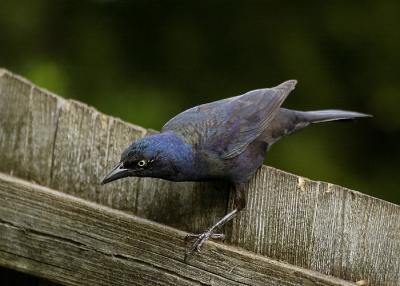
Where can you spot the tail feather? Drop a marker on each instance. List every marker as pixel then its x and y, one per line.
pixel 290 121
pixel 330 115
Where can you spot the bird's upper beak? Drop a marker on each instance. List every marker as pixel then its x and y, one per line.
pixel 117 172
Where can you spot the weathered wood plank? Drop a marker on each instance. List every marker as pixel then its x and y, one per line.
pixel 322 227
pixel 76 242
pixel 69 146
pixel 24 144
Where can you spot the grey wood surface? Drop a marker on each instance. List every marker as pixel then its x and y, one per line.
pixel 76 242
pixel 69 146
pixel 320 226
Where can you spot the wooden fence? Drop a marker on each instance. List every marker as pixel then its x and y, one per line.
pixel 57 222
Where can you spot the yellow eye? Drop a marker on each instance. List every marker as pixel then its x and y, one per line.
pixel 141 163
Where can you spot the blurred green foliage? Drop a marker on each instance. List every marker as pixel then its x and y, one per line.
pixel 145 61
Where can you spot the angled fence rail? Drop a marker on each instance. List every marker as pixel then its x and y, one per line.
pixel 76 242
pixel 87 234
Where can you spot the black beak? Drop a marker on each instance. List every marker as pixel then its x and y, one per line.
pixel 117 173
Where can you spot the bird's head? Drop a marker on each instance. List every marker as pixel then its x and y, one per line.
pixel 152 156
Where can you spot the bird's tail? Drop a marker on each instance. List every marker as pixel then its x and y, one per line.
pixel 329 115
pixel 290 121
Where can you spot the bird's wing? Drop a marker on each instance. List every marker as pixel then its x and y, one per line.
pixel 228 126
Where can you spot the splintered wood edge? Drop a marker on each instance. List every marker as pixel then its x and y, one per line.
pixel 76 242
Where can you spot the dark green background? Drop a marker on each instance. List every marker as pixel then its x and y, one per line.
pixel 145 61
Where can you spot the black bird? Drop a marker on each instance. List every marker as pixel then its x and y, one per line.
pixel 224 140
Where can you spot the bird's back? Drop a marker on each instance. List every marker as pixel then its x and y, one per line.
pixel 226 127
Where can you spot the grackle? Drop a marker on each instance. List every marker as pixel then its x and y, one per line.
pixel 224 140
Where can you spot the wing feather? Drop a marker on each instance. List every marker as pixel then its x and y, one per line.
pixel 228 126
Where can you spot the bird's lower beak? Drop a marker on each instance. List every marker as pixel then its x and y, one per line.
pixel 117 173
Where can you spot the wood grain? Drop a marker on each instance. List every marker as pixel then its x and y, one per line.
pixel 76 242
pixel 24 142
pixel 320 226
pixel 69 146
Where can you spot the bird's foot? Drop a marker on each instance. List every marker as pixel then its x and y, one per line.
pixel 200 239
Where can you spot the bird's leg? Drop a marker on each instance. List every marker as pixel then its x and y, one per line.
pixel 240 203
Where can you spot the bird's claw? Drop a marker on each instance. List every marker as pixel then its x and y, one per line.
pixel 212 235
pixel 199 241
